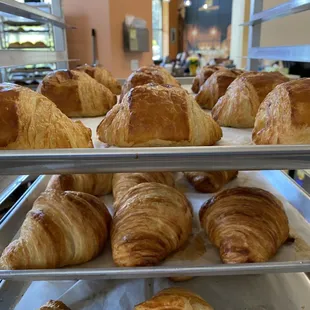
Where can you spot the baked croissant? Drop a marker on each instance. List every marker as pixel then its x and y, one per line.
pixel 102 76
pixel 122 182
pixel 247 224
pixel 28 120
pixel 203 75
pixel 239 106
pixel 215 87
pixel 54 305
pixel 146 75
pixel 94 184
pixel 76 94
pixel 210 181
pixel 175 299
pixel 284 116
pixel 154 115
pixel 62 229
pixel 151 221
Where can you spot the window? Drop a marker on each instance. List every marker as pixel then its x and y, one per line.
pixel 157 43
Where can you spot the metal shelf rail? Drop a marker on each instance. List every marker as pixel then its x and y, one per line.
pixel 257 17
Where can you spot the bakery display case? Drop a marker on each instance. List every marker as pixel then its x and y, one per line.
pixel 280 283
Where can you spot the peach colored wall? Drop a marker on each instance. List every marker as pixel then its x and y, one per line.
pixel 106 16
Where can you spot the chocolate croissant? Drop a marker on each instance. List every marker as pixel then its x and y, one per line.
pixel 215 87
pixel 210 181
pixel 94 184
pixel 102 76
pixel 247 224
pixel 154 115
pixel 29 120
pixel 239 106
pixel 151 221
pixel 54 305
pixel 76 94
pixel 284 116
pixel 175 298
pixel 62 229
pixel 122 182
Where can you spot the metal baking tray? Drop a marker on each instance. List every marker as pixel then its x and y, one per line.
pixel 287 259
pixel 8 184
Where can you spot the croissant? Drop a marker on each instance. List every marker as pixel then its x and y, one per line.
pixel 247 224
pixel 203 76
pixel 239 106
pixel 76 94
pixel 62 229
pixel 210 181
pixel 284 116
pixel 176 299
pixel 122 182
pixel 146 75
pixel 28 120
pixel 102 76
pixel 54 305
pixel 154 115
pixel 151 221
pixel 215 87
pixel 94 184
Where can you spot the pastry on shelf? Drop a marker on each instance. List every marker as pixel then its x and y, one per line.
pixel 27 44
pixel 102 76
pixel 210 181
pixel 76 94
pixel 151 221
pixel 155 115
pixel 94 184
pixel 54 305
pixel 29 120
pixel 15 45
pixel 146 75
pixel 246 224
pixel 215 87
pixel 122 182
pixel 284 115
pixel 203 75
pixel 239 106
pixel 175 298
pixel 40 44
pixel 61 229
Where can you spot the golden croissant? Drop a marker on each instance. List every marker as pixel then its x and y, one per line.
pixel 151 221
pixel 215 87
pixel 29 120
pixel 146 75
pixel 247 224
pixel 175 299
pixel 239 106
pixel 210 181
pixel 76 94
pixel 62 229
pixel 122 182
pixel 54 305
pixel 94 184
pixel 102 76
pixel 284 116
pixel 154 115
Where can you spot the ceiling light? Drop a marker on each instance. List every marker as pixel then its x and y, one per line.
pixel 187 2
pixel 205 6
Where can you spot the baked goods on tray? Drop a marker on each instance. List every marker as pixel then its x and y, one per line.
pixel 76 94
pixel 62 229
pixel 239 106
pixel 175 298
pixel 215 87
pixel 284 115
pixel 151 221
pixel 246 224
pixel 94 184
pixel 102 76
pixel 210 181
pixel 29 120
pixel 54 305
pixel 155 115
